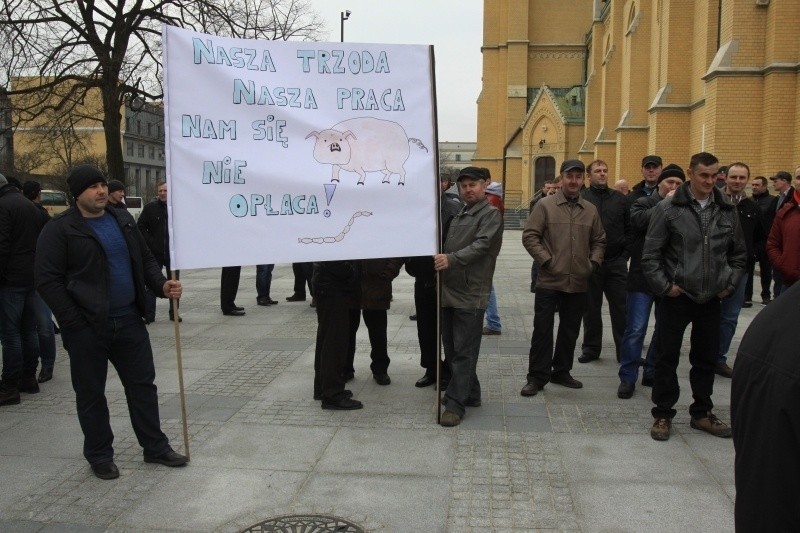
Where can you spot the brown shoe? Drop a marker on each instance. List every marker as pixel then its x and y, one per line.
pixel 295 298
pixel 722 369
pixel 529 390
pixel 487 331
pixel 450 419
pixel 661 428
pixel 711 424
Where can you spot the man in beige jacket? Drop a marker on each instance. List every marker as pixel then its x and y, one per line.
pixel 565 236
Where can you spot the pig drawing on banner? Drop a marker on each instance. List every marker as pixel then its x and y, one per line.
pixel 364 145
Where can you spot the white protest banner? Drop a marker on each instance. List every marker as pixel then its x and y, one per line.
pixel 297 151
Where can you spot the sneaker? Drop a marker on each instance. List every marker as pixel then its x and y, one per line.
pixel 712 424
pixel 722 369
pixel 450 419
pixel 661 428
pixel 625 390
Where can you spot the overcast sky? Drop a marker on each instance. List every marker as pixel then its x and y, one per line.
pixel 453 27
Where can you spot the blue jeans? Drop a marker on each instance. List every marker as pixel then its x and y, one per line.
pixel 729 309
pixel 263 280
pixel 46 332
pixel 492 316
pixel 638 306
pixel 18 332
pixel 461 341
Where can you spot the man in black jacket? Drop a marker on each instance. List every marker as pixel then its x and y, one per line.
pixel 754 237
pixel 610 278
pixel 20 224
pixel 763 199
pixel 694 255
pixel 765 393
pixel 81 256
pixel 651 170
pixel 153 225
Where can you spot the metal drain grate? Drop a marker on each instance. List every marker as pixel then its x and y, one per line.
pixel 305 523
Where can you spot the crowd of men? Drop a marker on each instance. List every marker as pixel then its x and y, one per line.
pixel 684 243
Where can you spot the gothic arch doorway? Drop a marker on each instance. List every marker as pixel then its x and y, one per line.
pixel 544 169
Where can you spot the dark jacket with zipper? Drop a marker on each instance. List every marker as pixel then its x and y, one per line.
pixel 20 224
pixel 641 210
pixel 677 250
pixel 71 269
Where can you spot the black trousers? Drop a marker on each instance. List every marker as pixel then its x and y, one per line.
pixel 125 343
pixel 608 280
pixel 674 315
pixel 333 345
pixel 376 322
pixel 228 287
pixel 302 276
pixel 543 361
pixel 425 304
pixel 765 267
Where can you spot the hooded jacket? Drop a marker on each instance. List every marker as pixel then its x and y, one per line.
pixel 676 250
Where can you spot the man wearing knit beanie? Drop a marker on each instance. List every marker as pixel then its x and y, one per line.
pixel 116 194
pixel 92 267
pixel 640 298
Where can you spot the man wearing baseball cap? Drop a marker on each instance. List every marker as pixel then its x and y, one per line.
pixel 565 237
pixel 781 182
pixel 651 170
pixel 466 265
pixel 80 255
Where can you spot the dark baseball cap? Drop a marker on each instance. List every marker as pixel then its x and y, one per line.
pixel 572 164
pixel 652 160
pixel 782 175
pixel 473 173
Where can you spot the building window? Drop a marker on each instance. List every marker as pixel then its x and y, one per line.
pixel 147 176
pixel 152 153
pixel 158 175
pixel 139 126
pixel 141 150
pixel 137 173
pixel 149 129
pixel 458 157
pixel 161 154
pixel 129 148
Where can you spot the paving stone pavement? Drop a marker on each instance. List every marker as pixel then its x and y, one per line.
pixel 261 447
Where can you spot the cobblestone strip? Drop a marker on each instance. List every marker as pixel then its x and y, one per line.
pixel 509 482
pixel 246 374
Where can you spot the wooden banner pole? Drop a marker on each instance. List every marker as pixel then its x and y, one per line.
pixel 177 323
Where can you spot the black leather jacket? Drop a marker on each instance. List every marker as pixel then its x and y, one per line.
pixel 677 251
pixel 71 269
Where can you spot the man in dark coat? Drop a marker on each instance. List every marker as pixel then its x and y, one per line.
pixel 20 224
pixel 765 393
pixel 92 266
pixel 763 199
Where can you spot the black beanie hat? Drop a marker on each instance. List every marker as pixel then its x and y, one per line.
pixel 671 171
pixel 115 185
pixel 82 177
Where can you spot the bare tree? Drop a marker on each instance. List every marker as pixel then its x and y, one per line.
pixel 74 47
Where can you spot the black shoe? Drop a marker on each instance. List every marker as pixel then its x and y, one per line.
pixel 9 395
pixel 168 458
pixel 45 375
pixel 106 470
pixel 265 300
pixel 313 302
pixel 234 312
pixel 412 317
pixel 566 380
pixel 588 358
pixel 625 390
pixel 149 320
pixel 28 384
pixel 237 308
pixel 344 404
pixel 747 304
pixel 172 318
pixel 382 379
pixel 296 298
pixel 347 376
pixel 647 382
pixel 425 381
pixel 529 389
pixel 347 394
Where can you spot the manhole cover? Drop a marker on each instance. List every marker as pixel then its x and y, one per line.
pixel 308 523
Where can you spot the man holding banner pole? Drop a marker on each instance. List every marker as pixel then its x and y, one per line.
pixel 80 256
pixel 467 266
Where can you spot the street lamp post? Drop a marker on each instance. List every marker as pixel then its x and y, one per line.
pixel 345 15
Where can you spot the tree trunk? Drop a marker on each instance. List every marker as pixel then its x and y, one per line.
pixel 113 131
